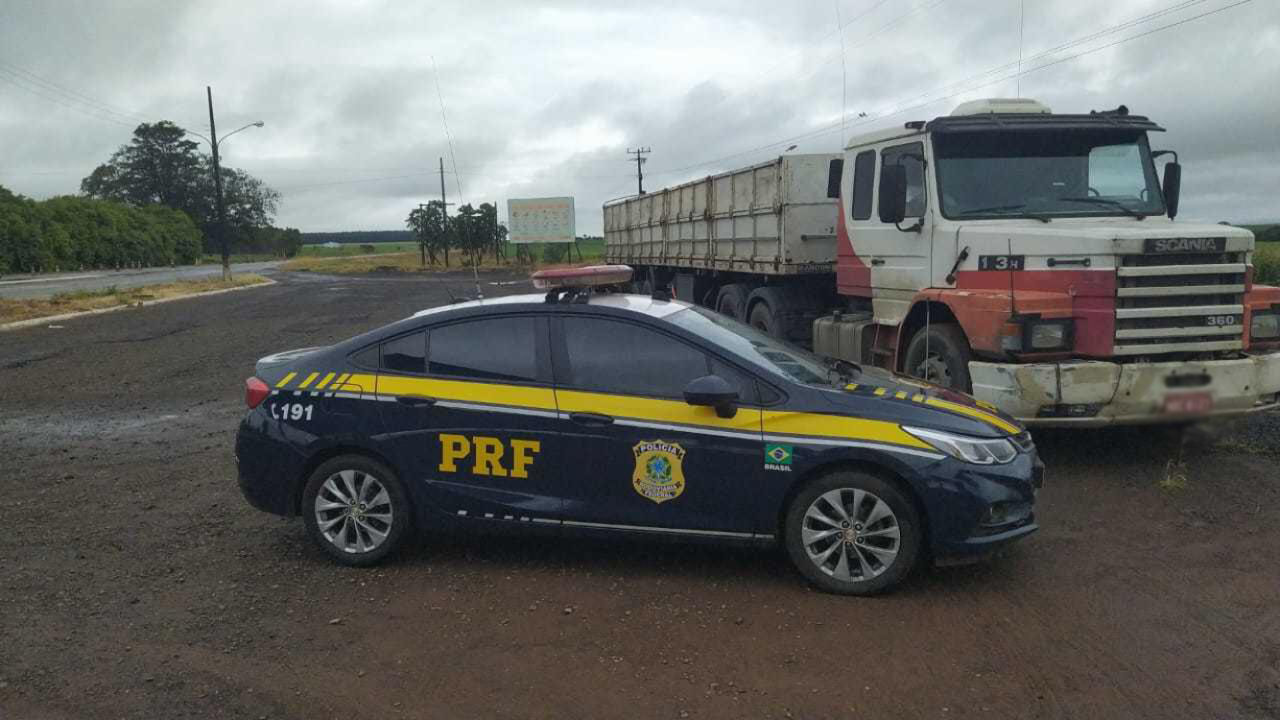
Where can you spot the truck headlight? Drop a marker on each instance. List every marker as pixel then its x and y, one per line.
pixel 1047 335
pixel 979 451
pixel 1036 335
pixel 1265 325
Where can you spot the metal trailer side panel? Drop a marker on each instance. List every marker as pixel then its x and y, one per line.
pixel 770 218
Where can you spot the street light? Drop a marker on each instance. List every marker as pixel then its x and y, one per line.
pixel 217 181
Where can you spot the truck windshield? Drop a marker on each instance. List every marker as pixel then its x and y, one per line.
pixel 754 346
pixel 1043 174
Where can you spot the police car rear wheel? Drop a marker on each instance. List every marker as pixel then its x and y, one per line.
pixel 852 533
pixel 355 510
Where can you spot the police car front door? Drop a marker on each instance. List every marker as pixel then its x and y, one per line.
pixel 476 428
pixel 636 455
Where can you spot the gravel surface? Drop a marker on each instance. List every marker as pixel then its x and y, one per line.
pixel 135 582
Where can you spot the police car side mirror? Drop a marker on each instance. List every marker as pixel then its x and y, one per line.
pixel 712 391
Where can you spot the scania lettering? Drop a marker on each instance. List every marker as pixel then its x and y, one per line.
pixel 1029 258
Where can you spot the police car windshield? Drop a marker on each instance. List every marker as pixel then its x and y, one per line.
pixel 754 346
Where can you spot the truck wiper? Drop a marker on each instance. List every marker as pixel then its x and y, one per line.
pixel 1006 208
pixel 1106 201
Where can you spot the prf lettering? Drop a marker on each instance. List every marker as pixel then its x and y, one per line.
pixel 486 455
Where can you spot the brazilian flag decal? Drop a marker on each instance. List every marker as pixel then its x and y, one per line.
pixel 777 457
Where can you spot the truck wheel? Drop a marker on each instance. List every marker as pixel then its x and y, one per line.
pixel 940 354
pixel 732 301
pixel 356 510
pixel 762 319
pixel 852 533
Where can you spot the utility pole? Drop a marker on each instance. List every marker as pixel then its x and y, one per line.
pixel 422 245
pixel 640 160
pixel 217 189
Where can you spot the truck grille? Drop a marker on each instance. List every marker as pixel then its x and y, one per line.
pixel 1179 303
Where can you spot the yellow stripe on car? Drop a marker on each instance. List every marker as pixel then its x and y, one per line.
pixel 835 426
pixel 285 380
pixel 324 381
pixel 974 413
pixel 487 393
pixel 310 379
pixel 656 410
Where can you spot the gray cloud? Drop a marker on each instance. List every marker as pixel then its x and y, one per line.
pixel 544 99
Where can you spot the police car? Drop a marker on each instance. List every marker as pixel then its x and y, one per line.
pixel 592 412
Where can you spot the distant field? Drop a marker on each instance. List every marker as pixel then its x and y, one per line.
pixel 348 249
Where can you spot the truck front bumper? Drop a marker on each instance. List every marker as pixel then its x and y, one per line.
pixel 1093 393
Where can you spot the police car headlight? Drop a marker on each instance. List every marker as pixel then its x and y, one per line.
pixel 1265 325
pixel 980 451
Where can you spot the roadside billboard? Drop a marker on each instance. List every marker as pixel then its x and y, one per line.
pixel 540 220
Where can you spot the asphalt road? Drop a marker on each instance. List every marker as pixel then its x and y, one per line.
pixel 135 582
pixel 28 287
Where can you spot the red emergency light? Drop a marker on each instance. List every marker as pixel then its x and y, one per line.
pixel 581 277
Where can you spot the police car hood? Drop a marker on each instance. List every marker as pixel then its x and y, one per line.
pixel 910 401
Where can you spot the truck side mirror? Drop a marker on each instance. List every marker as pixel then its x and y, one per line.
pixel 893 194
pixel 712 391
pixel 1172 187
pixel 834 171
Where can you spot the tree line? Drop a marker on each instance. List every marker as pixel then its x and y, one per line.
pixel 151 203
pixel 473 230
pixel 71 233
pixel 360 237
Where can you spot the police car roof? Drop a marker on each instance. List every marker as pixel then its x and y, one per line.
pixel 643 304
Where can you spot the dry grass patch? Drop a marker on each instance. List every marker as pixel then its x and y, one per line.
pixel 15 310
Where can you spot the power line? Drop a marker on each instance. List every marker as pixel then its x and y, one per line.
pixel 828 129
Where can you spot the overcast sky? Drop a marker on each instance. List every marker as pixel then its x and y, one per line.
pixel 545 98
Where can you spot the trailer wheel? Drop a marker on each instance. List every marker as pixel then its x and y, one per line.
pixel 732 301
pixel 939 354
pixel 763 319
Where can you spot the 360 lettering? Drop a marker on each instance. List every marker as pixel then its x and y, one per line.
pixel 486 455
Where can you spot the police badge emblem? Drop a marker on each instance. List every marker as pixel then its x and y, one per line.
pixel 659 475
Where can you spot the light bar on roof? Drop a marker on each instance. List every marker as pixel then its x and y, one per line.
pixel 580 277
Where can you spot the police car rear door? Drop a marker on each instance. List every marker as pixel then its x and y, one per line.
pixel 476 425
pixel 636 455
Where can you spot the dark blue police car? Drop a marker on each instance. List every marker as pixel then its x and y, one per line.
pixel 618 414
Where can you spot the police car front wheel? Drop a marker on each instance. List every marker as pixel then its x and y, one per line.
pixel 852 533
pixel 355 510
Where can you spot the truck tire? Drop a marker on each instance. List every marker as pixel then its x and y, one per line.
pixel 732 301
pixel 783 312
pixel 946 362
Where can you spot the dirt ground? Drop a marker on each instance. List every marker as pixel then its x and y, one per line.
pixel 135 582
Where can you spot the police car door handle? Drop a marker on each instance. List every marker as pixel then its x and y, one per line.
pixel 877 261
pixel 418 402
pixel 589 418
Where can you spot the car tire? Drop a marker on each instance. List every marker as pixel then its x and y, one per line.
pixel 852 533
pixel 356 510
pixel 732 301
pixel 948 355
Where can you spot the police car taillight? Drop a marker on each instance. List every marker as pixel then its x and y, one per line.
pixel 582 277
pixel 255 391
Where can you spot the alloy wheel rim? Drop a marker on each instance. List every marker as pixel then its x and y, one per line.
pixel 851 534
pixel 353 511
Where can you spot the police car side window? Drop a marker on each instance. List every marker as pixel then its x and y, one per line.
pixel 503 348
pixel 407 353
pixel 624 358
